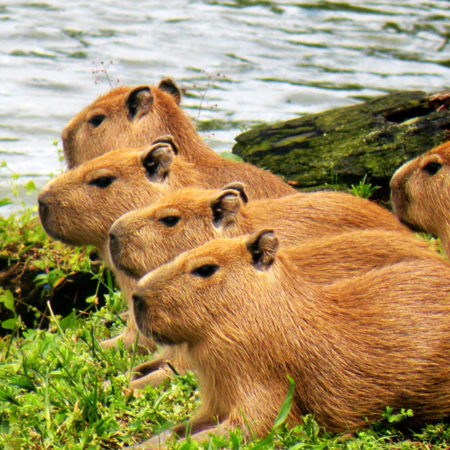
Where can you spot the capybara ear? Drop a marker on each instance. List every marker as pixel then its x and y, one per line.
pixel 139 102
pixel 169 86
pixel 225 206
pixel 169 140
pixel 263 246
pixel 237 186
pixel 157 160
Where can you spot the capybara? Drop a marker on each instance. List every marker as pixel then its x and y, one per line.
pixel 136 116
pixel 79 206
pixel 191 216
pixel 148 237
pixel 421 194
pixel 250 320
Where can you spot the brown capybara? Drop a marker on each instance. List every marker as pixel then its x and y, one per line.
pixel 371 249
pixel 421 194
pixel 133 117
pixel 250 320
pixel 146 238
pixel 191 216
pixel 79 206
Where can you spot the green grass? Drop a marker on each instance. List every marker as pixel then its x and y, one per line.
pixel 59 389
pixel 34 268
pixel 363 189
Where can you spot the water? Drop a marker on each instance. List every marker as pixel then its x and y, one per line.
pixel 250 61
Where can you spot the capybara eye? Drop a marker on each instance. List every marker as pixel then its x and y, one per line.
pixel 96 121
pixel 170 221
pixel 102 182
pixel 205 271
pixel 432 168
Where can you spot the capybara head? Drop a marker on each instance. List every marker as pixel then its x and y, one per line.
pixel 79 206
pixel 222 266
pixel 421 192
pixel 148 237
pixel 122 118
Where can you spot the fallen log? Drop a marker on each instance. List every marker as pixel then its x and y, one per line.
pixel 340 146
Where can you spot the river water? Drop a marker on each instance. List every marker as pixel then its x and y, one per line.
pixel 241 62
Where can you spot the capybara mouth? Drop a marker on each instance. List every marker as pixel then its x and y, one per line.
pixel 54 234
pixel 399 200
pixel 141 314
pixel 129 271
pixel 115 250
pixel 162 339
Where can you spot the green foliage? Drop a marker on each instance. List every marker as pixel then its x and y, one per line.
pixel 29 187
pixel 393 418
pixel 22 240
pixel 8 302
pixel 363 189
pixel 59 151
pixel 60 389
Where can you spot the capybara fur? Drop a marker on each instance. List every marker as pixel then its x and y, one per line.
pixel 250 320
pixel 136 116
pixel 421 194
pixel 79 206
pixel 148 237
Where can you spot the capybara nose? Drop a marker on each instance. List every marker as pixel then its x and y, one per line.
pixel 114 246
pixel 43 210
pixel 394 184
pixel 138 303
pixel 112 238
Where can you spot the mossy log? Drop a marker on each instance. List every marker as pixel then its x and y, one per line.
pixel 340 146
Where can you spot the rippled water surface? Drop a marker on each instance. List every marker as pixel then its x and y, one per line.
pixel 241 62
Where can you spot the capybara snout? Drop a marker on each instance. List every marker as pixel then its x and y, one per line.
pixel 43 211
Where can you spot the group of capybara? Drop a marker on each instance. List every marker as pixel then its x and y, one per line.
pixel 246 282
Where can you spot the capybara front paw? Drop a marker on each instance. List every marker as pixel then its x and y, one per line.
pixel 149 374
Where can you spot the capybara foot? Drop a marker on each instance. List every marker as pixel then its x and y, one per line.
pixel 150 374
pixel 153 379
pixel 204 433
